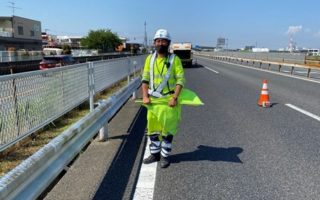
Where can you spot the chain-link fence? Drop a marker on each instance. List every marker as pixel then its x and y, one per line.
pixel 29 101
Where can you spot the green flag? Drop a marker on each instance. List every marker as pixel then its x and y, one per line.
pixel 168 117
pixel 186 97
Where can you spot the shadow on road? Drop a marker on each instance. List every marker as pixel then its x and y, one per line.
pixel 209 153
pixel 196 65
pixel 114 183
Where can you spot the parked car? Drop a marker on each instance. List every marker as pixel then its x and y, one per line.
pixel 56 61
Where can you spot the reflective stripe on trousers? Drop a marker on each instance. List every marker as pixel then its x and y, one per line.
pixel 156 146
pixel 155 143
pixel 166 145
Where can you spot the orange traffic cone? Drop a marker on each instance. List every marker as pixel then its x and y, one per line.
pixel 264 100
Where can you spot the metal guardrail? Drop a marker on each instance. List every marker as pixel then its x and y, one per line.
pixel 29 179
pixel 295 58
pixel 280 65
pixel 29 101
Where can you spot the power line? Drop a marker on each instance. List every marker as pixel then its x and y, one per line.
pixel 13 7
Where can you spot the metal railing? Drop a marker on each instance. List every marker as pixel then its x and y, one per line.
pixel 30 178
pixel 294 58
pixel 15 56
pixel 280 66
pixel 29 101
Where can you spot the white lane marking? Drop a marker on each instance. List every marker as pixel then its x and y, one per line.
pixel 303 111
pixel 211 70
pixel 147 178
pixel 264 70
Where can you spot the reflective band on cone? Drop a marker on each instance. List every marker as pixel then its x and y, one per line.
pixel 264 99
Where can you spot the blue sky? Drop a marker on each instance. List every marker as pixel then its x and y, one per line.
pixel 243 22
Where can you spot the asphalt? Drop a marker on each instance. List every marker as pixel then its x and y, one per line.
pixel 230 148
pixel 107 170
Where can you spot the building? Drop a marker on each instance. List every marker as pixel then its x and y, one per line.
pixel 48 40
pixel 260 50
pixel 313 52
pixel 20 33
pixel 123 45
pixel 73 41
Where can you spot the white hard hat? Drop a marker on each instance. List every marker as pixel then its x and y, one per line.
pixel 162 34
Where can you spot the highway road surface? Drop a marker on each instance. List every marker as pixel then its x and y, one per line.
pixel 230 148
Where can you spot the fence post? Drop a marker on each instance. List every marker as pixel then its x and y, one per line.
pixel 128 76
pixel 134 68
pixel 91 85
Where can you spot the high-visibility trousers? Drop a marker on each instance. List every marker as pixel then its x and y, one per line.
pixel 163 119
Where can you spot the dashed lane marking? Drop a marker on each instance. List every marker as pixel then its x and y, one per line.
pixel 211 70
pixel 303 111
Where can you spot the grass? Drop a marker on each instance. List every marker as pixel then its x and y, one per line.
pixel 14 155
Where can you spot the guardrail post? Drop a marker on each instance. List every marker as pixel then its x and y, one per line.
pixel 279 68
pixel 103 133
pixel 309 72
pixel 269 66
pixel 292 69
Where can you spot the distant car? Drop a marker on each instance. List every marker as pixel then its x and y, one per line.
pixel 56 61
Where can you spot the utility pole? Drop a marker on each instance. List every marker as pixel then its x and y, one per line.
pixel 13 7
pixel 145 35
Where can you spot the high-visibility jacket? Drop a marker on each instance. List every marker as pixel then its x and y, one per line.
pixel 160 68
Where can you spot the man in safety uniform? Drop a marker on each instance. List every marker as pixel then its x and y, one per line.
pixel 163 75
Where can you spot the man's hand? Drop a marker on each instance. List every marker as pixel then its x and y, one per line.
pixel 172 102
pixel 146 100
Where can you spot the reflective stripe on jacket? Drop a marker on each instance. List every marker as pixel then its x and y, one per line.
pixel 160 69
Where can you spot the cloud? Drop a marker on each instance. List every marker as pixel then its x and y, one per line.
pixel 307 30
pixel 293 30
pixel 317 34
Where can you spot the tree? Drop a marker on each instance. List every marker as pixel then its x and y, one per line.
pixel 102 39
pixel 66 49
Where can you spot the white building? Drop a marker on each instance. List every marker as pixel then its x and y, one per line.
pixel 72 41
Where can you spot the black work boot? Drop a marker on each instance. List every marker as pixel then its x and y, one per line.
pixel 164 162
pixel 152 158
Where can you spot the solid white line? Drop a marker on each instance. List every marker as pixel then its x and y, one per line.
pixel 303 111
pixel 264 70
pixel 147 178
pixel 211 70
